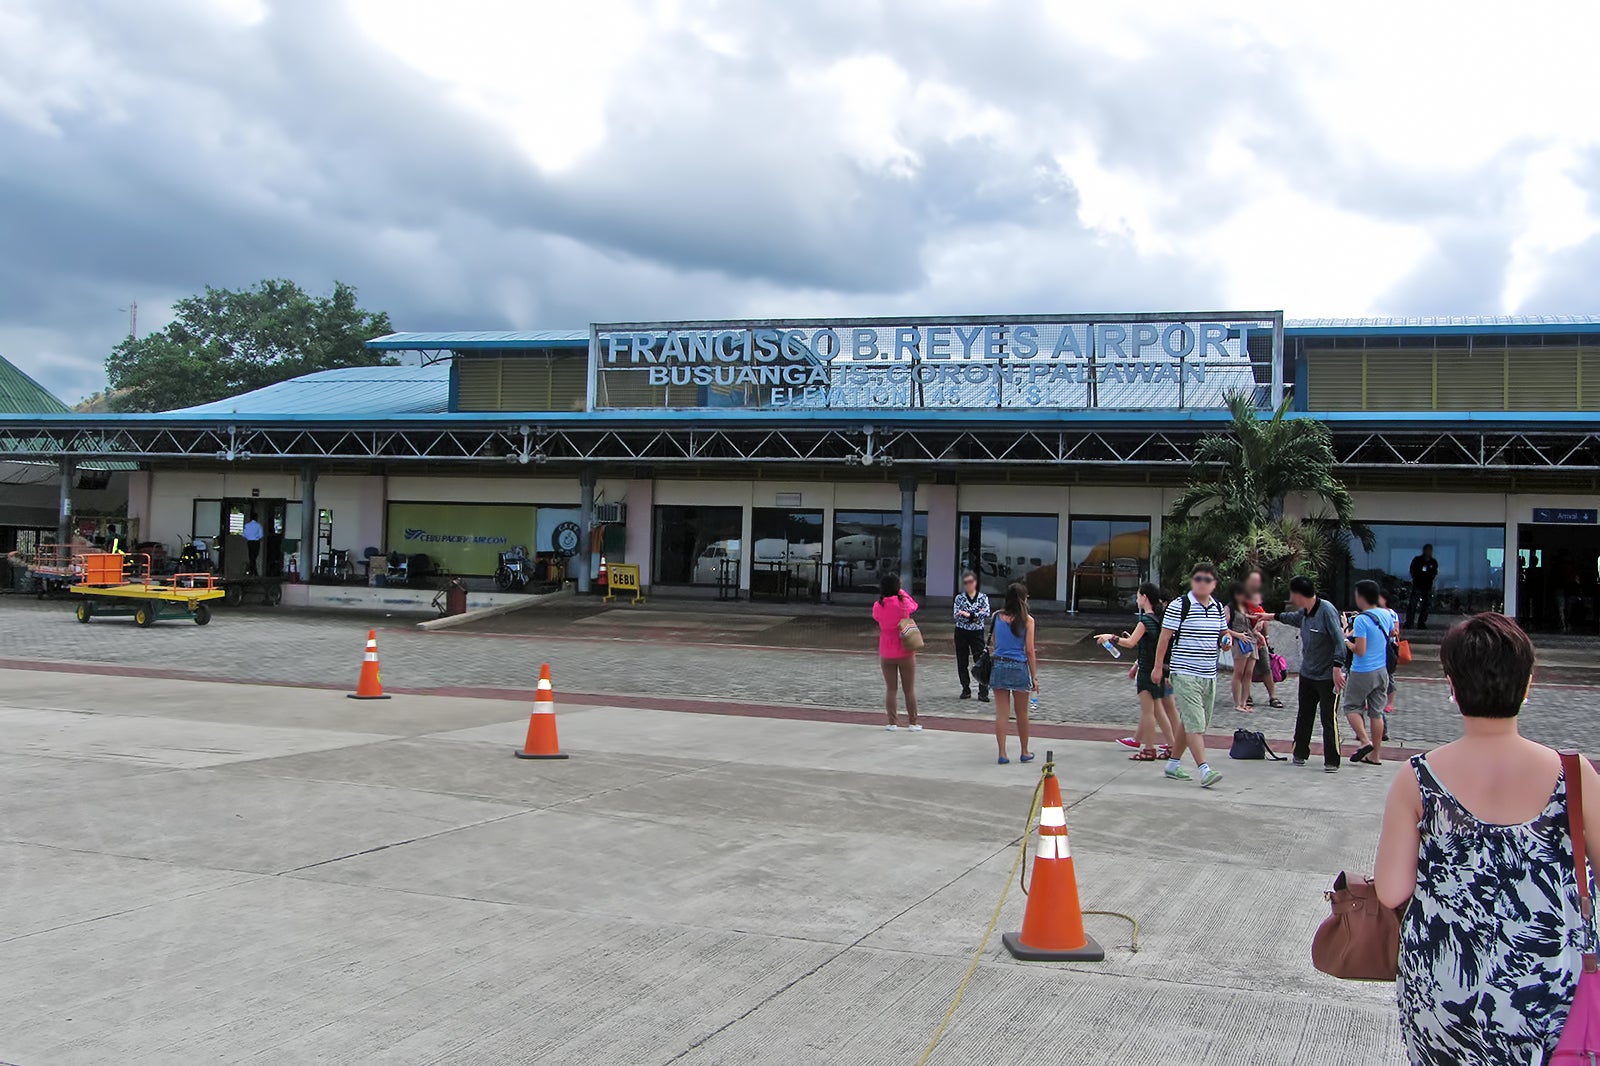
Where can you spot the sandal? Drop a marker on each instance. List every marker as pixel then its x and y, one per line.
pixel 1276 703
pixel 1147 755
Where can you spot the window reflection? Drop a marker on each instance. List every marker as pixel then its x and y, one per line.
pixel 698 545
pixel 1001 549
pixel 787 552
pixel 1110 557
pixel 866 545
pixel 1471 566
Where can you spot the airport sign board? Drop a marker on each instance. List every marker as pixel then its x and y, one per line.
pixel 1109 362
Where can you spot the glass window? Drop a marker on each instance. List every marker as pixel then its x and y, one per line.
pixel 787 547
pixel 698 545
pixel 1558 584
pixel 866 545
pixel 1471 566
pixel 1110 557
pixel 1006 548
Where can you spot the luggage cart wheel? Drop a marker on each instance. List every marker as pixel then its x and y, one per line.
pixel 85 611
pixel 144 615
pixel 202 614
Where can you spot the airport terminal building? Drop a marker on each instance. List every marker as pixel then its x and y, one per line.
pixel 804 459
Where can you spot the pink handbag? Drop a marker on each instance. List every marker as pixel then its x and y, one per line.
pixel 1278 664
pixel 1580 1037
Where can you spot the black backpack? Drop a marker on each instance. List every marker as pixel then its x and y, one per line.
pixel 1177 634
pixel 1391 654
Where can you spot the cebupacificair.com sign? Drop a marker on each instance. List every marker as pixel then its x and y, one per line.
pixel 1110 362
pixel 462 538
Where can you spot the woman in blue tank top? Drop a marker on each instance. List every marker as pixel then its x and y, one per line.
pixel 1015 669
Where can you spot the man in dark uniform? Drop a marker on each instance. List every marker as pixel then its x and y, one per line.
pixel 1424 568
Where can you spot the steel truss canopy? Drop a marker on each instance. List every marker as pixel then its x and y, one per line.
pixel 1394 443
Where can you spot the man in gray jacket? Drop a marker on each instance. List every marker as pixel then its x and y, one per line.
pixel 1322 657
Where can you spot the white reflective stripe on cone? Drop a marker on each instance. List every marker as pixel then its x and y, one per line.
pixel 544 686
pixel 1053 847
pixel 1053 816
pixel 543 710
pixel 370 657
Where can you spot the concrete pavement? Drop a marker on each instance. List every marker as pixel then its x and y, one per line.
pixel 205 872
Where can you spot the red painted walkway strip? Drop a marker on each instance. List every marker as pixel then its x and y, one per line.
pixel 782 712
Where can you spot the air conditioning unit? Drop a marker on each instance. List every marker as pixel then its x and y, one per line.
pixel 610 513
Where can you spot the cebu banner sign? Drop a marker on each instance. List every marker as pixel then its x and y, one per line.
pixel 1119 362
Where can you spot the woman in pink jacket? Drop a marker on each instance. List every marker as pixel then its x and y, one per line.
pixel 899 663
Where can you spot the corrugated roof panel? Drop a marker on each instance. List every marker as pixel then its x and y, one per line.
pixel 21 395
pixel 1456 323
pixel 360 391
pixel 475 339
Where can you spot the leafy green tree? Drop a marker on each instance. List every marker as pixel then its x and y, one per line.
pixel 1231 513
pixel 224 342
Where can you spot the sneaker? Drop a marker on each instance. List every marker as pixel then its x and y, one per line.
pixel 891 727
pixel 966 693
pixel 1211 777
pixel 983 697
pixel 1129 742
pixel 1297 762
pixel 1330 768
pixel 914 728
pixel 1180 774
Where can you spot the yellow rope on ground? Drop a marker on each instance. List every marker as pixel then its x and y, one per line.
pixel 994 919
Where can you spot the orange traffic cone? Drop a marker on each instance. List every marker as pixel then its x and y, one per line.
pixel 370 685
pixel 1052 926
pixel 541 742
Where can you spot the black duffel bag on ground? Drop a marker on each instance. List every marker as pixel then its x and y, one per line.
pixel 1251 745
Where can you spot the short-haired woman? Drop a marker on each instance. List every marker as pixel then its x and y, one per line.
pixel 1476 839
pixel 899 663
pixel 1016 668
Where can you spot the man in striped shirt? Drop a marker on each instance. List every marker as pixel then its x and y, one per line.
pixel 1194 630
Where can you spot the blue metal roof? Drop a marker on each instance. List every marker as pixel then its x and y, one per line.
pixel 1425 325
pixel 479 340
pixel 360 391
pixel 1577 421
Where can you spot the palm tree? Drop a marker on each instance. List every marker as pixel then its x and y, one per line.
pixel 1232 511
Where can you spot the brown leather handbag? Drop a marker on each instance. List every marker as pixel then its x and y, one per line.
pixel 1360 940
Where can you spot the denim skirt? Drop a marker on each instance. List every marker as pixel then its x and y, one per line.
pixel 1010 675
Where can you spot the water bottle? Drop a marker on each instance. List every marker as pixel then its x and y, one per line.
pixel 1033 702
pixel 1111 646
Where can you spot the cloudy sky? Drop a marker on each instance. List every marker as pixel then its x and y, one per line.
pixel 502 164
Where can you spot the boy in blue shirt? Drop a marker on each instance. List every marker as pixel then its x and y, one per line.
pixel 1366 691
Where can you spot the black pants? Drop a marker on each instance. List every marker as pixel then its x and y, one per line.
pixel 253 549
pixel 1417 608
pixel 969 643
pixel 1316 696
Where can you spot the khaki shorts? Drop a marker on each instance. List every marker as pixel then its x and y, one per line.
pixel 1197 701
pixel 1366 693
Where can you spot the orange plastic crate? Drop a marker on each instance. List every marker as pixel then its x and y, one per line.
pixel 102 568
